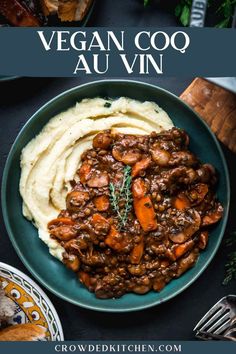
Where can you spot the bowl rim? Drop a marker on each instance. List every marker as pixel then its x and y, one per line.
pixel 7 78
pixel 11 234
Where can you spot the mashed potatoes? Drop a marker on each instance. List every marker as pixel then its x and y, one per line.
pixel 50 161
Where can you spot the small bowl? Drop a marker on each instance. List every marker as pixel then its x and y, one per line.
pixel 34 253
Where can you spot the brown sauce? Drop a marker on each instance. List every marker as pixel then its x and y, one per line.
pixel 139 215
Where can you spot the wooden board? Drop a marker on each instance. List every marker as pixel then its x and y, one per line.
pixel 217 106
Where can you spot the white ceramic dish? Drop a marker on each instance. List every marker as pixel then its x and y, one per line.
pixel 33 305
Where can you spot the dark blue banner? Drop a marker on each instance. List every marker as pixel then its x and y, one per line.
pixel 129 52
pixel 194 347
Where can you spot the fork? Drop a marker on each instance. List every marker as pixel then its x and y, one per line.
pixel 221 318
pixel 211 336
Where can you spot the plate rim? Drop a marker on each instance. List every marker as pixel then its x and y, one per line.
pixel 19 252
pixel 39 289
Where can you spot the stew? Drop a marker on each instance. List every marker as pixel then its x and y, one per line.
pixel 138 214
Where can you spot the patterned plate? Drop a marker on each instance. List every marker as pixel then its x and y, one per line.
pixel 32 303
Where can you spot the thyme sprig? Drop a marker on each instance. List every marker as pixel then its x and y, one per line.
pixel 127 195
pixel 124 194
pixel 115 199
pixel 126 183
pixel 230 266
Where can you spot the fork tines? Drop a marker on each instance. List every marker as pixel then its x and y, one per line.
pixel 217 319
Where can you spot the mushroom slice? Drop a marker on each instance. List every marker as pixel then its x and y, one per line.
pixel 160 157
pixel 129 156
pixel 76 199
pixel 187 262
pixel 98 179
pixel 213 215
pixel 102 140
pixel 193 225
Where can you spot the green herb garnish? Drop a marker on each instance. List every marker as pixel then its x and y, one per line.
pixel 225 11
pixel 123 194
pixel 230 266
pixel 115 199
pixel 183 11
pixel 107 105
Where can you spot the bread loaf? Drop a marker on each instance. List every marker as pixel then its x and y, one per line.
pixel 217 106
pixel 23 332
pixel 7 308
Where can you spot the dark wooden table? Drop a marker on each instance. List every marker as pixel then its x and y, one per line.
pixel 175 319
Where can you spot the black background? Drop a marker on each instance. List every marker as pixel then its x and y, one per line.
pixel 173 320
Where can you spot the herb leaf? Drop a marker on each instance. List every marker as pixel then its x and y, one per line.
pixel 107 104
pixel 178 10
pixel 114 198
pixel 125 194
pixel 145 2
pixel 185 15
pixel 225 11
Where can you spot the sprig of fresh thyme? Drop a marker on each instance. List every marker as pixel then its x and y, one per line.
pixel 115 199
pixel 230 266
pixel 126 180
pixel 125 194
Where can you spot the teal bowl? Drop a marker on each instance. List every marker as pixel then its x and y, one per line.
pixel 34 253
pixel 8 78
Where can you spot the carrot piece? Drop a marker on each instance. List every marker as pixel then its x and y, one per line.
pixel 98 218
pixel 114 240
pixel 180 250
pixel 84 172
pixel 181 202
pixel 100 223
pixel 101 203
pixel 85 279
pixel 137 253
pixel 143 207
pixel 140 166
pixel 145 213
pixel 72 263
pixel 65 221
